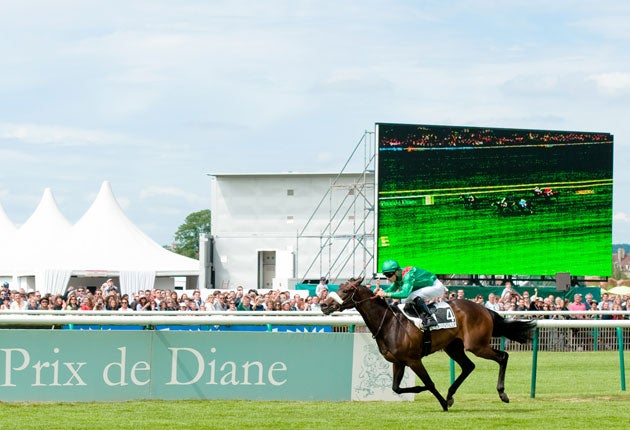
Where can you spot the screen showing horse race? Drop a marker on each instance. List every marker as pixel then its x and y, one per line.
pixel 494 201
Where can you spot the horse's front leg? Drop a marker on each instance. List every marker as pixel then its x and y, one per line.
pixel 422 373
pixel 398 373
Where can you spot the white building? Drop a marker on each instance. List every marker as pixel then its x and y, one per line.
pixel 275 230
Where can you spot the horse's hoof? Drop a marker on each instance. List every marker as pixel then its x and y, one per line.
pixel 450 402
pixel 504 397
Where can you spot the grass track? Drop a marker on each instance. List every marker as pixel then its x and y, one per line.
pixel 576 390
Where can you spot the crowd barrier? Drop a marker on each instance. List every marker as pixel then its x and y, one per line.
pixel 95 365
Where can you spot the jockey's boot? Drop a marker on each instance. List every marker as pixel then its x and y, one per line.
pixel 423 310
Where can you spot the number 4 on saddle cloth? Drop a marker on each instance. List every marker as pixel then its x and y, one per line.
pixel 441 311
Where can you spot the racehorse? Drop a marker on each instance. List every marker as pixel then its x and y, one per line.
pixel 510 206
pixel 470 201
pixel 401 342
pixel 545 193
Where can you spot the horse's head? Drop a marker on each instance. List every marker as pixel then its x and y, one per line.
pixel 342 299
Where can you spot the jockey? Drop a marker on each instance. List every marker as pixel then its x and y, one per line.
pixel 413 284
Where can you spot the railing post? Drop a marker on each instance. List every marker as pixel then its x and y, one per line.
pixel 622 366
pixel 532 392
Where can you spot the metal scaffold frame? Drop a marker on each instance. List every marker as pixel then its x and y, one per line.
pixel 358 204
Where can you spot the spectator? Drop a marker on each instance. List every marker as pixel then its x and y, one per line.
pixel 231 305
pixel 19 301
pixel 245 304
pixel 526 299
pixel 31 304
pixel 111 287
pixel 191 305
pixel 99 304
pixel 87 304
pixel 605 307
pixel 169 304
pixel 143 304
pixel 259 304
pixel 492 302
pixel 588 301
pixel 219 302
pixel 523 304
pixel 112 303
pixel 238 295
pixel 508 292
pixel 197 299
pixel 174 297
pixel 58 304
pixel 209 303
pixel 124 304
pixel 617 308
pixel 605 298
pixel 323 285
pixel 314 306
pixel 577 305
pixel 73 303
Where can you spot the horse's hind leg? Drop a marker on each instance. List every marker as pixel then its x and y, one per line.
pixel 503 360
pixel 501 357
pixel 456 351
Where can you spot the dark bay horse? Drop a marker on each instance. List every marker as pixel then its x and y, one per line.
pixel 401 342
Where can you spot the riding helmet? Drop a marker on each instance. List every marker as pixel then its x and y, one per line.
pixel 390 266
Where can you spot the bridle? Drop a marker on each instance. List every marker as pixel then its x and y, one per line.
pixel 373 297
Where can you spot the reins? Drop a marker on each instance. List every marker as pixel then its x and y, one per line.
pixel 389 308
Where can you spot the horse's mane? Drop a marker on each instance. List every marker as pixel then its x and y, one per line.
pixel 394 308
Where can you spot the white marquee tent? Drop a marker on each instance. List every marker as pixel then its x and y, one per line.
pixel 7 228
pixel 46 251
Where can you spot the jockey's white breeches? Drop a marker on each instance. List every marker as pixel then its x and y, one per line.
pixel 431 292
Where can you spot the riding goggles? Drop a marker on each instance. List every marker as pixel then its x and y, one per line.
pixel 389 274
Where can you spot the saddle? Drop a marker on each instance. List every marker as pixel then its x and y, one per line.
pixel 441 311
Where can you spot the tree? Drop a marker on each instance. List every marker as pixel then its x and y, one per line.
pixel 187 235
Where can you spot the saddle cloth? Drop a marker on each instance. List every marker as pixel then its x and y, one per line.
pixel 440 311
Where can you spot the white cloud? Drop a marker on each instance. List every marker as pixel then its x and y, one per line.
pixel 622 217
pixel 171 192
pixel 37 134
pixel 614 83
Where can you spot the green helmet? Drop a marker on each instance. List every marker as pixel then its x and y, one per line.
pixel 390 266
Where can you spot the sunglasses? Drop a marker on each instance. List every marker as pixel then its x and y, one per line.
pixel 389 274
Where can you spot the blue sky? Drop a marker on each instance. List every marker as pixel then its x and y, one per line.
pixel 153 95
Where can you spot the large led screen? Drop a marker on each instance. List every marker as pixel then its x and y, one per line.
pixel 494 201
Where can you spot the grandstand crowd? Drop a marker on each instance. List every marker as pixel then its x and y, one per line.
pixel 108 297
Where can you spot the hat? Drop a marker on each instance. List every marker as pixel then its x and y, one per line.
pixel 5 284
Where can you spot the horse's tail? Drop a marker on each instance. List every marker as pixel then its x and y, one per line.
pixel 521 331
